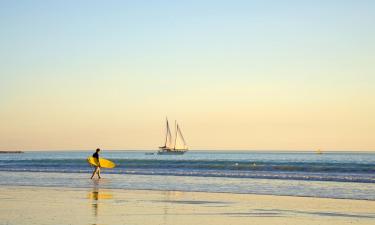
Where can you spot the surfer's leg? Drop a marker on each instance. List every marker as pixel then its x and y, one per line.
pixel 95 171
pixel 99 172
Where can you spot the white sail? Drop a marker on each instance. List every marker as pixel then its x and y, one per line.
pixel 182 136
pixel 168 136
pixel 168 142
pixel 180 143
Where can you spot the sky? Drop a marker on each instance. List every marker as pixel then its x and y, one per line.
pixel 236 75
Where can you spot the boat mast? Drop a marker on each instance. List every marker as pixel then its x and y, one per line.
pixel 169 137
pixel 166 135
pixel 175 137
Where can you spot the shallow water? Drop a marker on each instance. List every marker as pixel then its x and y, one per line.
pixel 332 175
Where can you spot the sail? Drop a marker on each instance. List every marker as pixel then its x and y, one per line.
pixel 180 143
pixel 168 142
pixel 168 136
pixel 182 136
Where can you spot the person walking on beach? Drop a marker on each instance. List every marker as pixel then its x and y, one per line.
pixel 97 168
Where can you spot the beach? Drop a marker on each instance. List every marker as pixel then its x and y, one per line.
pixel 210 188
pixel 58 205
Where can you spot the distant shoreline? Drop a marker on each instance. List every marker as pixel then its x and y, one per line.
pixel 13 152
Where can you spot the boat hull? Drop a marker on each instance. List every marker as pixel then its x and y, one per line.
pixel 170 152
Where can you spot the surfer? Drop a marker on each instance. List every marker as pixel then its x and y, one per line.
pixel 97 168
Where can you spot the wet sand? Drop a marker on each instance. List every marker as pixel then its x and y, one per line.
pixel 41 205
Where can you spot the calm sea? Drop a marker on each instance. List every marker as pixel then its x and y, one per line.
pixel 332 174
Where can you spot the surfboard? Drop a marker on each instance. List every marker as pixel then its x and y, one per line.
pixel 104 163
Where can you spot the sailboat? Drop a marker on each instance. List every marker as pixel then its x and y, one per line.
pixel 173 147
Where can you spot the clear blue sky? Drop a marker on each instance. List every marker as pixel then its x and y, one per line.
pixel 237 74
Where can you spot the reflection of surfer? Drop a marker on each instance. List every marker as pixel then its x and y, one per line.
pixel 97 168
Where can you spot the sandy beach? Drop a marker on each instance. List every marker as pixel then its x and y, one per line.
pixel 49 205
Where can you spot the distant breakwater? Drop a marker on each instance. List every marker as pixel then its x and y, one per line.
pixel 11 152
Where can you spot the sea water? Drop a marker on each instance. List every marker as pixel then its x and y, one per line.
pixel 332 174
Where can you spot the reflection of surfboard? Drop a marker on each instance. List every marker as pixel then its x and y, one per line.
pixel 104 163
pixel 96 195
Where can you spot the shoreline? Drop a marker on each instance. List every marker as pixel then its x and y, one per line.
pixel 317 189
pixel 187 191
pixel 60 205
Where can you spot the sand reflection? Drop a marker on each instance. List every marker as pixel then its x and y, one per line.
pixel 97 196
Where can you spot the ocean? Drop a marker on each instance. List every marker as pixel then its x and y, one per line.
pixel 349 175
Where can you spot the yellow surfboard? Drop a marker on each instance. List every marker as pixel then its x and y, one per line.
pixel 104 163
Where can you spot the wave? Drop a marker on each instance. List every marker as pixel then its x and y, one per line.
pixel 318 171
pixel 73 164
